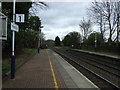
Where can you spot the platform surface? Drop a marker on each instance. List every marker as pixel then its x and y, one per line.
pixel 98 53
pixel 48 70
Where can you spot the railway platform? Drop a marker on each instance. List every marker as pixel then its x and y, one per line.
pixel 98 53
pixel 48 70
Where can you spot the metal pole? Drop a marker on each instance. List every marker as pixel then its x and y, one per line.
pixel 95 41
pixel 0 48
pixel 39 40
pixel 13 42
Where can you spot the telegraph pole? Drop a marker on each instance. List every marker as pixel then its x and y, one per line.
pixel 13 42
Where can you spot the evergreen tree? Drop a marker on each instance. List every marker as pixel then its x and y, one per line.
pixel 57 41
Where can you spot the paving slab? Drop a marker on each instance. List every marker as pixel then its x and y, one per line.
pixel 72 77
pixel 48 70
pixel 36 73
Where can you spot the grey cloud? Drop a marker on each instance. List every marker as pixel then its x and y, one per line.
pixel 63 15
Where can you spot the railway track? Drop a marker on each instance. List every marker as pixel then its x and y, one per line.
pixel 103 71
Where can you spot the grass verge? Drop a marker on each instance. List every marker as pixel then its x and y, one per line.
pixel 20 60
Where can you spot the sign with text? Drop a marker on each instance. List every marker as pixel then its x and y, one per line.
pixel 14 27
pixel 20 18
pixel 3 27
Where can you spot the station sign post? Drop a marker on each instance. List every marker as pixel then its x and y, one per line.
pixel 14 28
pixel 20 18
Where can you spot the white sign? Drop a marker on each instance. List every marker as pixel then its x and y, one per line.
pixel 14 27
pixel 20 18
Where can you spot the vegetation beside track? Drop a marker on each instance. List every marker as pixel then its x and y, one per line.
pixel 114 54
pixel 21 58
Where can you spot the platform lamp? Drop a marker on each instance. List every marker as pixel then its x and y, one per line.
pixel 40 38
pixel 95 40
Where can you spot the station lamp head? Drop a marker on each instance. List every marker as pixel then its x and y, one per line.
pixel 41 26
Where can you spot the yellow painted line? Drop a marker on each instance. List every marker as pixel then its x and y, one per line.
pixel 53 74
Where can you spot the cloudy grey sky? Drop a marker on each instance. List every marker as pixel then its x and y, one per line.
pixel 62 17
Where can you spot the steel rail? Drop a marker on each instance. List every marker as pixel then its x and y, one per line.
pixel 114 85
pixel 85 60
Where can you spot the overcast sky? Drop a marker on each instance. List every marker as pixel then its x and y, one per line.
pixel 62 17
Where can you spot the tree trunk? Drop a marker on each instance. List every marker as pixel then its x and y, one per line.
pixel 118 29
pixel 110 36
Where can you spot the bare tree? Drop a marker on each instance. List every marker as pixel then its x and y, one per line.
pixel 107 14
pixel 117 14
pixel 85 27
pixel 36 6
pixel 95 12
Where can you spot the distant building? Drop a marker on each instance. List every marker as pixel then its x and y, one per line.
pixel 50 43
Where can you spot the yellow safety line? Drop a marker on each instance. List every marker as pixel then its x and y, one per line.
pixel 53 74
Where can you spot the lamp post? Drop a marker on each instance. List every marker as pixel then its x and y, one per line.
pixel 40 39
pixel 82 38
pixel 13 42
pixel 95 40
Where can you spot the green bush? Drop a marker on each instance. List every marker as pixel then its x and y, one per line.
pixel 23 39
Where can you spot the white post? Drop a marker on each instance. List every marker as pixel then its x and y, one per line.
pixel 0 49
pixel 95 41
pixel 13 42
pixel 13 35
